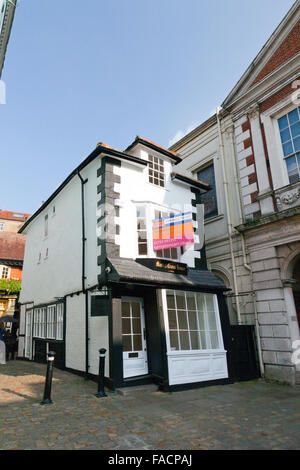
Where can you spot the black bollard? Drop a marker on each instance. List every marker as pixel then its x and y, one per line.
pixel 101 393
pixel 48 384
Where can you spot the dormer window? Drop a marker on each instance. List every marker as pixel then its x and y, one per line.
pixel 156 171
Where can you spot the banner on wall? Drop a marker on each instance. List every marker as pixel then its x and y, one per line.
pixel 173 231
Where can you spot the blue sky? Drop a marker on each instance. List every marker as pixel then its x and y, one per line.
pixel 79 72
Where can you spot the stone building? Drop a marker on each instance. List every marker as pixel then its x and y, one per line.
pixel 250 152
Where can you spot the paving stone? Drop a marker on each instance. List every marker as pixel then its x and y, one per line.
pixel 246 415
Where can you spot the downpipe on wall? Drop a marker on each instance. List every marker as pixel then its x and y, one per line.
pixel 245 263
pixel 228 216
pixel 83 277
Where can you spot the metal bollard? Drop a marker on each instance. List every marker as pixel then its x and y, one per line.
pixel 101 393
pixel 48 384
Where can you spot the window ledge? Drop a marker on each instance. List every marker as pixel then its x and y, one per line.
pixel 214 219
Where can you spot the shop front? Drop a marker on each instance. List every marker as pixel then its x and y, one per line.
pixel 166 328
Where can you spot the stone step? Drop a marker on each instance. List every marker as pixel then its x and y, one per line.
pixel 138 389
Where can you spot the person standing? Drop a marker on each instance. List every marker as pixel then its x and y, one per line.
pixel 2 344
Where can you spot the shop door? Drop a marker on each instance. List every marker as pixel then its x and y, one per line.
pixel 135 361
pixel 245 362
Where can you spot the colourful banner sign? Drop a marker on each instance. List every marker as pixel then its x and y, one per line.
pixel 173 231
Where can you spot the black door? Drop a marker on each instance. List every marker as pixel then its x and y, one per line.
pixel 40 348
pixel 244 353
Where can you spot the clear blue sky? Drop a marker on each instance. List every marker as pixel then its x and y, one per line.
pixel 82 71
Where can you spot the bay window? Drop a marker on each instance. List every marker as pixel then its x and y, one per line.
pixel 193 321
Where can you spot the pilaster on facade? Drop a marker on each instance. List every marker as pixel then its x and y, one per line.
pixel 264 195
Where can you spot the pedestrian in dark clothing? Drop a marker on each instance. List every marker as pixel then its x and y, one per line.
pixel 11 341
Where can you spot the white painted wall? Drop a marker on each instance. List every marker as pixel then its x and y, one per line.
pixel 75 332
pixel 99 338
pixel 60 273
pixel 135 189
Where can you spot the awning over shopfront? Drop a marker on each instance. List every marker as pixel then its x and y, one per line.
pixel 135 271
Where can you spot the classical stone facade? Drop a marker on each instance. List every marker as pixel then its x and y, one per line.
pixel 254 241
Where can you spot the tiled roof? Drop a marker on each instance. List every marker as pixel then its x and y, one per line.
pixel 12 246
pixel 17 216
pixel 159 146
pixel 149 143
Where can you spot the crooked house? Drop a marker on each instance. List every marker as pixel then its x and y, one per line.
pixel 115 259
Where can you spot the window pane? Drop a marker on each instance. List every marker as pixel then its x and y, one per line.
pixel 142 249
pixel 193 320
pixel 136 309
pixel 126 326
pixel 174 340
pixel 170 300
pixel 209 199
pixel 210 302
pixel 141 211
pixel 283 122
pixel 137 343
pixel 136 325
pixel 200 302
pixel 180 300
pixel 285 135
pixel 125 309
pixel 195 344
pixel 293 116
pixel 201 320
pixel 127 343
pixel 287 148
pixel 295 129
pixel 191 304
pixel 214 340
pixel 184 341
pixel 182 320
pixel 212 325
pixel 203 340
pixel 297 144
pixel 172 319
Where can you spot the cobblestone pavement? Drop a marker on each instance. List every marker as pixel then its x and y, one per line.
pixel 248 415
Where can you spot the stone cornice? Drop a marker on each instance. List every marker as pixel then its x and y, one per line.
pixel 273 218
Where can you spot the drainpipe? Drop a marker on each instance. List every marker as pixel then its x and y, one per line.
pixel 83 276
pixel 246 265
pixel 228 215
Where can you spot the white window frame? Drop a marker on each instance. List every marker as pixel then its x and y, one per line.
pixel 51 322
pixel 161 163
pixel 192 351
pixel 4 268
pixel 60 322
pixel 150 216
pixel 269 119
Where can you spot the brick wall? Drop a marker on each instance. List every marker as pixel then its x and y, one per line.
pixel 247 169
pixel 277 97
pixel 289 48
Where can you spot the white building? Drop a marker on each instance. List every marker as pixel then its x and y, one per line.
pixel 250 153
pixel 91 278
